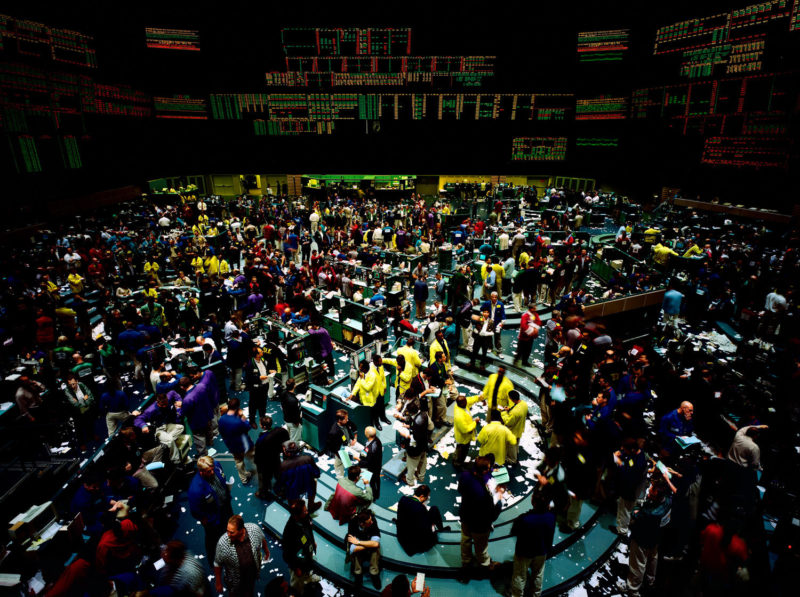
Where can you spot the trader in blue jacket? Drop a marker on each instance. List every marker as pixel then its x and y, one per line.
pixel 675 424
pixel 210 501
pixel 497 311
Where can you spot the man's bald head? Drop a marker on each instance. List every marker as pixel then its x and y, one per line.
pixel 686 409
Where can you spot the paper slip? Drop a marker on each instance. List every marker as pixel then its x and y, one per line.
pixel 453 486
pixel 511 500
pixel 36 584
pixel 393 507
pixel 9 580
pixel 449 516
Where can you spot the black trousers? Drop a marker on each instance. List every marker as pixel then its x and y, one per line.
pixel 482 344
pixel 462 450
pixel 257 403
pixel 375 484
pixel 497 343
pixel 378 411
pixel 436 517
pixel 524 350
pixel 214 531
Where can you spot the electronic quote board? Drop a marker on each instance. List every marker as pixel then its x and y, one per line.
pixel 31 39
pixel 158 38
pixel 609 45
pixel 539 149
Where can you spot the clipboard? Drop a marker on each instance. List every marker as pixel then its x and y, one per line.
pixel 345 458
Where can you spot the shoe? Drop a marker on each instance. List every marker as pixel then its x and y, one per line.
pixel 247 480
pixel 463 575
pixel 376 581
pixel 253 426
pixel 385 420
pixel 402 478
pixel 378 426
pixel 493 566
pixel 314 507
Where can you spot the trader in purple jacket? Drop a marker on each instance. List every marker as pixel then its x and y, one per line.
pixel 200 400
pixel 325 345
pixel 162 420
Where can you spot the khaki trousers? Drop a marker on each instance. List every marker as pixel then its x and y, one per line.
pixel 519 576
pixel 480 543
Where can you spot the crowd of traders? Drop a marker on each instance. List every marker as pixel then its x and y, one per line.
pixel 615 427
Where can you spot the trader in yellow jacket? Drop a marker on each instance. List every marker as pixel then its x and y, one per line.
pixel 494 438
pixel 464 427
pixel 381 397
pixel 514 418
pixel 496 390
pixel 197 264
pixel 211 265
pixel 440 345
pixel 411 356
pixel 151 268
pixel 366 389
pixel 402 379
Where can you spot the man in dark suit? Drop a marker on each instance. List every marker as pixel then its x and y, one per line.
pixel 421 296
pixel 269 447
pixel 426 382
pixel 192 315
pixel 497 311
pixel 417 526
pixel 478 512
pixel 482 333
pixel 343 433
pixel 417 450
pixel 583 265
pixel 257 379
pixel 292 414
pixel 373 460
